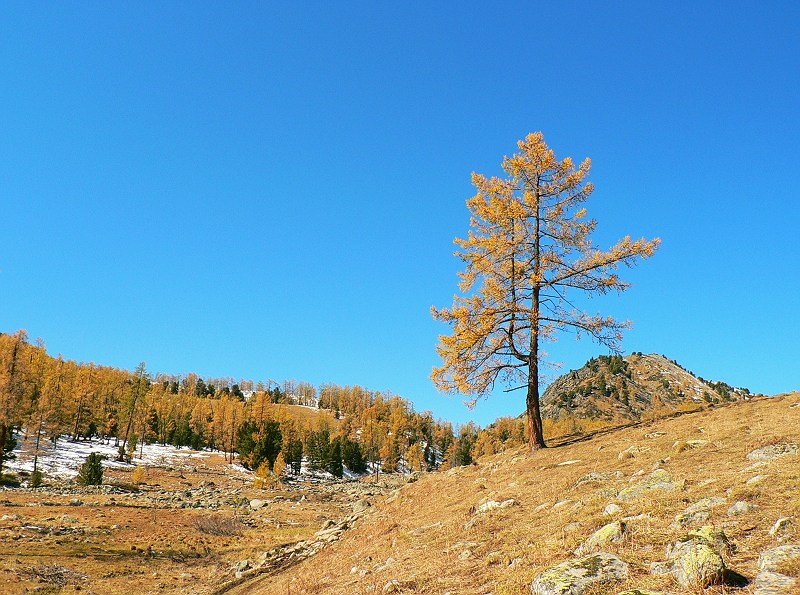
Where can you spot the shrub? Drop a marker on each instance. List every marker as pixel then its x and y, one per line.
pixel 138 475
pixel 10 481
pixel 91 472
pixel 219 525
pixel 263 477
pixel 36 479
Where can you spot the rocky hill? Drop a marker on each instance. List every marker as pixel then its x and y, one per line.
pixel 617 387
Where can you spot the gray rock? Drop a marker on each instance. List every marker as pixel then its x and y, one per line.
pixel 573 577
pixel 257 504
pixel 773 583
pixel 612 509
pixel 612 532
pixel 492 504
pixel 697 513
pixel 780 526
pixel 361 506
pixel 590 477
pixel 632 451
pixel 740 507
pixel 771 560
pixel 660 479
pixel 766 453
pixel 695 560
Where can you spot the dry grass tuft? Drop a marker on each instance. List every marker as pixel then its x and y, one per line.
pixel 52 574
pixel 220 525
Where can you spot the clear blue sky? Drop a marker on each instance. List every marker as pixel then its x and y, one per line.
pixel 270 190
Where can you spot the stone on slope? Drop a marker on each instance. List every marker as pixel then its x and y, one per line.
pixel 740 507
pixel 660 479
pixel 771 451
pixel 774 583
pixel 781 526
pixel 772 560
pixel 695 560
pixel 257 504
pixel 612 532
pixel 698 512
pixel 573 577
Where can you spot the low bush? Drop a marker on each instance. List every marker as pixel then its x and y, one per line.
pixel 8 480
pixel 219 525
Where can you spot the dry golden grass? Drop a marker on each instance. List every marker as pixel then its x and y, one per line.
pixel 427 538
pixel 121 544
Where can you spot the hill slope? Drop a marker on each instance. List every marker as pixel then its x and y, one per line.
pixel 614 387
pixel 492 527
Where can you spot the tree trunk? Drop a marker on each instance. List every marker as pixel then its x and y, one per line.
pixel 77 419
pixel 3 432
pixel 535 433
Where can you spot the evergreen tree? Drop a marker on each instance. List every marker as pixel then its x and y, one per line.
pixel 333 463
pixel 353 457
pixel 91 471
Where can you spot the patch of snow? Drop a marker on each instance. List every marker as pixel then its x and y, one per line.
pixel 65 457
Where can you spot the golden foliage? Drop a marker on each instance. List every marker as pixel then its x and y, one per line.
pixel 137 477
pixel 528 246
pixel 279 466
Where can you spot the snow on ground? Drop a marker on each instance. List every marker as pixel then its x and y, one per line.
pixel 65 458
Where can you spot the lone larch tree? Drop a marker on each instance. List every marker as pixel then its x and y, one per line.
pixel 527 251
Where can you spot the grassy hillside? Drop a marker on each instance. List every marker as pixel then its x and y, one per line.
pixel 431 536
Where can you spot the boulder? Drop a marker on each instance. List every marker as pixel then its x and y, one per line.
pixel 774 583
pixel 766 453
pixel 492 504
pixel 573 577
pixel 257 504
pixel 695 560
pixel 773 560
pixel 660 479
pixel 698 512
pixel 780 527
pixel 740 507
pixel 612 532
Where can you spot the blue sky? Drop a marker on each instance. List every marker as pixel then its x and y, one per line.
pixel 265 190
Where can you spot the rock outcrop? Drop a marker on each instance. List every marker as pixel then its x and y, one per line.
pixel 696 559
pixel 573 577
pixel 615 387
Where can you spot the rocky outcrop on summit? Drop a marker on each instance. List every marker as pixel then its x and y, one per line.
pixel 614 387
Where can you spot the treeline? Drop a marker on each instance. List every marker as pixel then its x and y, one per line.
pixel 50 397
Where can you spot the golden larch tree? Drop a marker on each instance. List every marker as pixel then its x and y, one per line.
pixel 528 249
